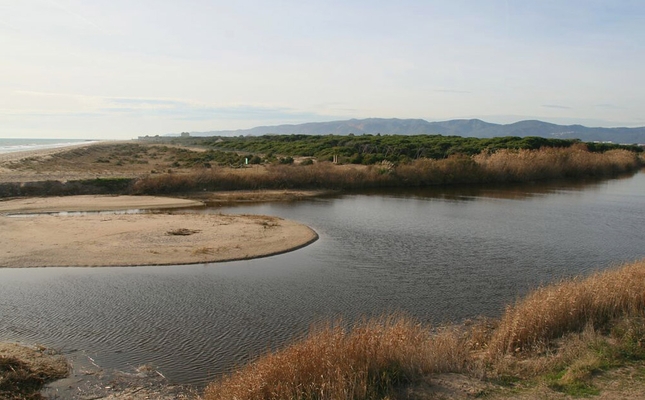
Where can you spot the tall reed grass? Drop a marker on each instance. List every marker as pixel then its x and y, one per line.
pixel 554 163
pixel 501 166
pixel 319 175
pixel 335 363
pixel 569 306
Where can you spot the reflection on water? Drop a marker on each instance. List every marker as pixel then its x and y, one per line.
pixel 441 255
pixel 496 191
pixel 77 213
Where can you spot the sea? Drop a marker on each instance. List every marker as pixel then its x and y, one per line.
pixel 13 145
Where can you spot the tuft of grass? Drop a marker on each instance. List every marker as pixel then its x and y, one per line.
pixel 182 232
pixel 203 251
pixel 575 379
pixel 24 371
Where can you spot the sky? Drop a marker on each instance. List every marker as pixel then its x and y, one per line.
pixel 116 69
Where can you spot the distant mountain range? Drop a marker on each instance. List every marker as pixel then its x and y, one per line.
pixel 456 127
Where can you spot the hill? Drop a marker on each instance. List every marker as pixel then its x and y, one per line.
pixel 458 127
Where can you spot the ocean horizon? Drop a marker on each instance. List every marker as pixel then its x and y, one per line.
pixel 12 145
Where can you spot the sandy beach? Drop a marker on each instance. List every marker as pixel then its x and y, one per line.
pixel 136 239
pixel 46 164
pixel 19 155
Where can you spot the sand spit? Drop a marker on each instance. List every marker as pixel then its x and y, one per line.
pixel 136 239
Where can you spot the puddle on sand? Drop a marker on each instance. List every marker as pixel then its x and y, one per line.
pixel 77 213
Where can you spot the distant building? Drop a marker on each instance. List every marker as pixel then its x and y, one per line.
pixel 155 137
pixel 185 134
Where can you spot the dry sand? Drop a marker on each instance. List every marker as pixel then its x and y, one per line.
pixel 137 239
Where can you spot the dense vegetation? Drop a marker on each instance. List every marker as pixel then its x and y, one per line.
pixel 559 336
pixel 372 149
pixel 499 167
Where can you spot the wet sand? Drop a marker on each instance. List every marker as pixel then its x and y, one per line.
pixel 91 203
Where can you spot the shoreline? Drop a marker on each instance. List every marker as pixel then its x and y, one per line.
pixel 13 156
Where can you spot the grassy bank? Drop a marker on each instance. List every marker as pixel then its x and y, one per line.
pixel 498 167
pixel 364 362
pixel 558 337
pixel 127 168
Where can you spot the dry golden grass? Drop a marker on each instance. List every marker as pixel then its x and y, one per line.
pixel 24 371
pixel 550 163
pixel 552 311
pixel 364 362
pixel 319 175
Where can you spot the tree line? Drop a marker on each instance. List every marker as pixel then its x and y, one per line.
pixel 371 149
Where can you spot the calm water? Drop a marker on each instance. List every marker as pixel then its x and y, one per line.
pixel 440 255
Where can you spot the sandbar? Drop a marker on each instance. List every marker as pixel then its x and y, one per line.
pixel 94 239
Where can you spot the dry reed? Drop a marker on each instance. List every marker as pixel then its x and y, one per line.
pixel 552 311
pixel 24 371
pixel 554 163
pixel 364 362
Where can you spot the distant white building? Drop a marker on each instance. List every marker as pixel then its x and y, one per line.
pixel 155 137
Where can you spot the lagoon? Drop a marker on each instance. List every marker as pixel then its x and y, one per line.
pixel 441 255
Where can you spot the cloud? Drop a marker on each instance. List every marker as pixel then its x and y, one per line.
pixel 76 15
pixel 193 111
pixel 556 106
pixel 452 91
pixel 140 101
pixel 609 106
pixel 78 105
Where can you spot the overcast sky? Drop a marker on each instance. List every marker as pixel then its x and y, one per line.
pixel 118 69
